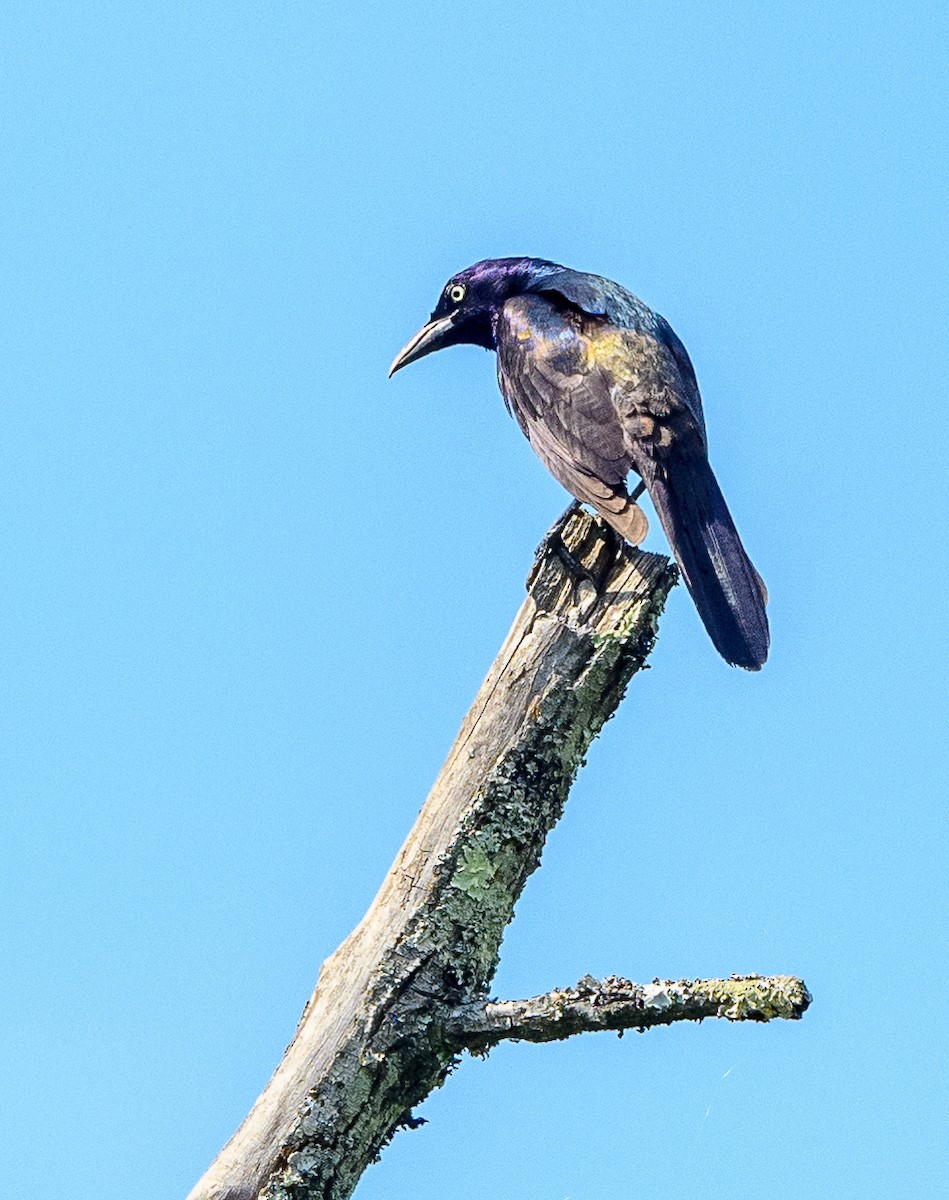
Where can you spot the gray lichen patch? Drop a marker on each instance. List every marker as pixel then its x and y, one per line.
pixel 754 998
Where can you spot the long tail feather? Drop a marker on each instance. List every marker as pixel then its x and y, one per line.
pixel 727 590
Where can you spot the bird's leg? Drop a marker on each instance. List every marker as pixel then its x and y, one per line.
pixel 637 491
pixel 616 540
pixel 554 543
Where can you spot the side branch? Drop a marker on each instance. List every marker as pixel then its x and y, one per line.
pixel 617 1004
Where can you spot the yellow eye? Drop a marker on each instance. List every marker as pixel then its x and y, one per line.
pixel 456 293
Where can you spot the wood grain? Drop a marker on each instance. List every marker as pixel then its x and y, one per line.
pixel 376 1036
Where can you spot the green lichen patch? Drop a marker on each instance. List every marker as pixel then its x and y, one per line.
pixel 474 873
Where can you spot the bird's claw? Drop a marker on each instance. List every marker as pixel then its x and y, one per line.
pixel 554 545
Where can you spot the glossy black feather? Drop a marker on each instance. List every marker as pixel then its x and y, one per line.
pixel 724 584
pixel 594 416
pixel 602 386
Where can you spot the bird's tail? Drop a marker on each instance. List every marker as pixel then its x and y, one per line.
pixel 728 592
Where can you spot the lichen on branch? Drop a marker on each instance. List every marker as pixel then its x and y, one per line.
pixel 405 992
pixel 617 1004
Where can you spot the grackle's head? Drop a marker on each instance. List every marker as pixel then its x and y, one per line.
pixel 468 307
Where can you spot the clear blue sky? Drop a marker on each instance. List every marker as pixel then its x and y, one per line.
pixel 248 586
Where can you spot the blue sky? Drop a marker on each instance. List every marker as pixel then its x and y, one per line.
pixel 248 586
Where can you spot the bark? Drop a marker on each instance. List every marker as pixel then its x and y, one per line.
pixel 617 1004
pixel 406 991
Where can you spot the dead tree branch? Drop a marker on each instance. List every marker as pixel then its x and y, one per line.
pixel 616 1004
pixel 406 991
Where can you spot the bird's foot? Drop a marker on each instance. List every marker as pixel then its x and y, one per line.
pixel 617 544
pixel 554 544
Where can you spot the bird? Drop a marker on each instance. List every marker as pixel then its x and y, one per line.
pixel 603 388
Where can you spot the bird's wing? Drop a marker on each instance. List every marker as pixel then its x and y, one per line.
pixel 563 403
pixel 597 400
pixel 665 439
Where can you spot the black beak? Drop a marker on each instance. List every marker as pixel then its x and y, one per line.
pixel 430 337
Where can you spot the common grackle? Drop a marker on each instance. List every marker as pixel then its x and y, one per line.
pixel 601 386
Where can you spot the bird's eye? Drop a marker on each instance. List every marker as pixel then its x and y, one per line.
pixel 456 293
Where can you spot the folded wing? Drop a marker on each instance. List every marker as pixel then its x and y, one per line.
pixel 597 400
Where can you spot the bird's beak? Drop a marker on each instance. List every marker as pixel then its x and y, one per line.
pixel 430 337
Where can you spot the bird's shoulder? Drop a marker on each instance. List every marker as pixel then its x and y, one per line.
pixel 599 297
pixel 550 322
pixel 536 324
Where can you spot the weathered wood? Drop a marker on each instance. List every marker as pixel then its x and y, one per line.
pixel 616 1004
pixel 371 1041
pixel 407 990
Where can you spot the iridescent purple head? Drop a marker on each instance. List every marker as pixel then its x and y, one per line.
pixel 468 307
